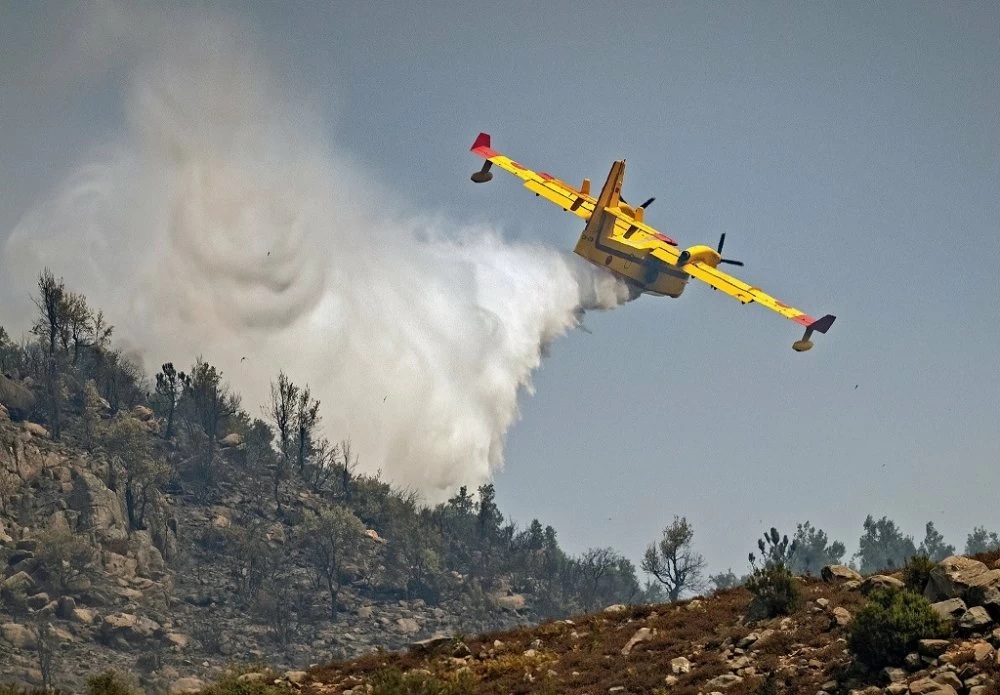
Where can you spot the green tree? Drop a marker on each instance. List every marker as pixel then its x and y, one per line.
pixel 336 540
pixel 981 541
pixel 775 589
pixel 883 546
pixel 890 624
pixel 933 545
pixel 169 389
pixel 672 560
pixel 813 550
pixel 128 444
pixel 208 403
pixel 724 580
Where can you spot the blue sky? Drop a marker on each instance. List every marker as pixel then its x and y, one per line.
pixel 850 152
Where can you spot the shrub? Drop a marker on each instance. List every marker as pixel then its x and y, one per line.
pixel 775 589
pixel 112 682
pixel 890 624
pixel 917 572
pixel 392 681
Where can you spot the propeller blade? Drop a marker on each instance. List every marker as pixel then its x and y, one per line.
pixel 731 262
pixel 647 203
pixel 722 240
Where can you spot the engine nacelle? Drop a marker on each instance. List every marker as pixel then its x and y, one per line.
pixel 705 254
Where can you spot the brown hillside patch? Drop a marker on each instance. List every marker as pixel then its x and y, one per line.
pixel 584 655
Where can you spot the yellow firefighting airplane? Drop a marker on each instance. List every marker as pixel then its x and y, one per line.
pixel 617 239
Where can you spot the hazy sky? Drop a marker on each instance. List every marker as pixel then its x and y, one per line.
pixel 850 151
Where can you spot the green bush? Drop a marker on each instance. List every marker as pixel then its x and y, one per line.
pixel 776 589
pixel 112 682
pixel 890 624
pixel 392 681
pixel 917 572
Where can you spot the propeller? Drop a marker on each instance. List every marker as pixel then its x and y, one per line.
pixel 643 206
pixel 722 241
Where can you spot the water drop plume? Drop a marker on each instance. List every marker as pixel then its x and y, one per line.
pixel 223 221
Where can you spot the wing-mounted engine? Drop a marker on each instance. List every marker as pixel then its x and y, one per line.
pixel 706 255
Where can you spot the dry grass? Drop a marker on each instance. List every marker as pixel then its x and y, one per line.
pixel 584 656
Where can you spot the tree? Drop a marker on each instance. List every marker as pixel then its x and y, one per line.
pixel 335 540
pixel 129 447
pixel 812 552
pixel 169 389
pixel 597 566
pixel 50 302
pixel 724 580
pixel 673 562
pixel 883 546
pixel 774 587
pixel 933 545
pixel 981 541
pixel 280 411
pixel 208 403
pixel 306 420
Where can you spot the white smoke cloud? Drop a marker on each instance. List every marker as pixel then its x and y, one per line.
pixel 223 222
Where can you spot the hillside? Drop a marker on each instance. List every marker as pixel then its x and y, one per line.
pixel 705 645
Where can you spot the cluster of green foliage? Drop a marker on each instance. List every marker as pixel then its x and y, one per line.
pixel 917 572
pixel 890 624
pixel 392 681
pixel 772 583
pixel 112 682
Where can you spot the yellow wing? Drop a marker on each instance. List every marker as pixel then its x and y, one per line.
pixel 735 287
pixel 577 201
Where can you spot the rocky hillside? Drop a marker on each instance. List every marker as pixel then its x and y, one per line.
pixel 82 591
pixel 704 646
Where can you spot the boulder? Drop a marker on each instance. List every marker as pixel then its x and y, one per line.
pixel 975 619
pixel 832 573
pixel 186 685
pixel 18 583
pixel 840 617
pixel 927 686
pixel 231 440
pixel 38 601
pixel 954 576
pixel 726 680
pixel 407 626
pixel 297 677
pixel 35 430
pixel 880 581
pixel 952 609
pixel 18 636
pixel 84 616
pixel 18 401
pixel 641 635
pixel 132 628
pixel 100 511
pixel 680 665
pixel 65 607
pixel 143 413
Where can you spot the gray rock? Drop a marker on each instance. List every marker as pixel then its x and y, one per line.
pixel 892 674
pixel 840 617
pixel 832 573
pixel 951 609
pixel 680 665
pixel 926 686
pixel 641 635
pixel 726 680
pixel 100 511
pixel 18 636
pixel 975 619
pixel 880 581
pixel 953 577
pixel 186 685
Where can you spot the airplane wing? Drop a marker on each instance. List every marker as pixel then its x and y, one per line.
pixel 746 294
pixel 562 194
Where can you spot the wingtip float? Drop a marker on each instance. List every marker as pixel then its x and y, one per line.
pixel 616 238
